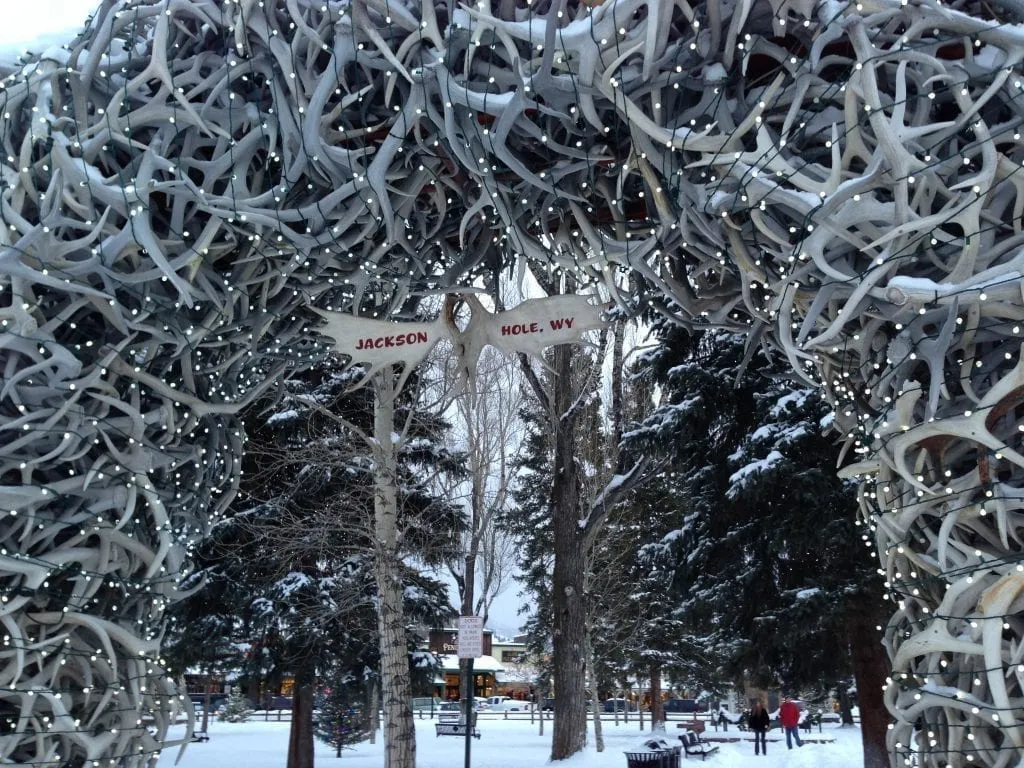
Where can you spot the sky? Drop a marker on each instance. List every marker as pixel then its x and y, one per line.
pixel 39 24
pixel 503 617
pixel 512 743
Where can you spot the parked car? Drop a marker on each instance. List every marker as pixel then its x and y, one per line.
pixel 684 705
pixel 215 700
pixel 507 704
pixel 272 703
pixel 426 703
pixel 619 705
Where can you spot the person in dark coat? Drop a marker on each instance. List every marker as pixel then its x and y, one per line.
pixel 759 722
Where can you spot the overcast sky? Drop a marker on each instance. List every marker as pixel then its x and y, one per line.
pixel 38 24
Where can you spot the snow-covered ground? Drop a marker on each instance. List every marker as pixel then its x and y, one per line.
pixel 503 744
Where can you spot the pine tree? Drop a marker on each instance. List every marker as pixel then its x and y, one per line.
pixel 341 720
pixel 236 710
pixel 292 564
pixel 529 522
pixel 759 559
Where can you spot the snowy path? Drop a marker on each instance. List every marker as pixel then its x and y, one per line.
pixel 505 744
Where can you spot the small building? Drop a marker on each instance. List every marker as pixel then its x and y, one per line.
pixel 444 643
pixel 518 678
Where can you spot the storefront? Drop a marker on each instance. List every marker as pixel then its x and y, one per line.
pixel 485 668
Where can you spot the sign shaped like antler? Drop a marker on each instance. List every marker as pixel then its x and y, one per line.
pixel 530 327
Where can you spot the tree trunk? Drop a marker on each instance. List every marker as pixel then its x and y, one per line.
pixel 540 713
pixel 252 688
pixel 594 701
pixel 204 727
pixel 396 682
pixel 657 705
pixel 373 709
pixel 870 667
pixel 845 705
pixel 300 738
pixel 570 726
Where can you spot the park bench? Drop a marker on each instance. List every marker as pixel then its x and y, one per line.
pixel 811 721
pixel 697 726
pixel 693 745
pixel 450 724
pixel 454 729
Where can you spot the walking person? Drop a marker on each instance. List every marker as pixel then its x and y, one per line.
pixel 789 714
pixel 758 722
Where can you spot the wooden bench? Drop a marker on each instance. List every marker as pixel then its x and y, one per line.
pixel 454 729
pixel 693 745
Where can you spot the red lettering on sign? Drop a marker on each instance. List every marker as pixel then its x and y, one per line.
pixel 383 342
pixel 517 329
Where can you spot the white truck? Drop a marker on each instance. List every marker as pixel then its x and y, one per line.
pixel 506 704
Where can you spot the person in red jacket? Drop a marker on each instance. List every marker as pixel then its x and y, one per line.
pixel 789 714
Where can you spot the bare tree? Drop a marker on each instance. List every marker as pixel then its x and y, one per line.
pixel 368 523
pixel 486 416
pixel 577 519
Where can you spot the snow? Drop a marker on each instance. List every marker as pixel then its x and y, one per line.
pixel 293 582
pixel 739 478
pixel 450 661
pixel 290 415
pixel 794 399
pixel 505 743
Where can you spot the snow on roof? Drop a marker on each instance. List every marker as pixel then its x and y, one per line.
pixel 519 674
pixel 450 663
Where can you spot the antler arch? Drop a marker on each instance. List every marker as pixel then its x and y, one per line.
pixel 185 176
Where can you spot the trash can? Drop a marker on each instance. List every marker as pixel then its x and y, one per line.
pixel 646 759
pixel 669 754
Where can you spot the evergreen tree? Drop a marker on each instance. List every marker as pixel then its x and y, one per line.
pixel 288 574
pixel 236 710
pixel 342 720
pixel 759 559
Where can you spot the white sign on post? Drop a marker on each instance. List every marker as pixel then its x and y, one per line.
pixel 471 637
